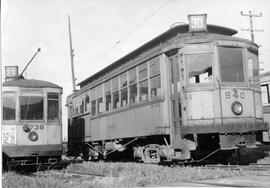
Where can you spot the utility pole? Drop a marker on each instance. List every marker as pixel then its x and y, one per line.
pixel 251 24
pixel 71 56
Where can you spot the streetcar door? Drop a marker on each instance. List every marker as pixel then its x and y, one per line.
pixel 175 73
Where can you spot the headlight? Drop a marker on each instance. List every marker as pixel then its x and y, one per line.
pixel 237 108
pixel 33 136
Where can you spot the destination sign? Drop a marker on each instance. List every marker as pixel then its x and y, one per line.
pixel 197 22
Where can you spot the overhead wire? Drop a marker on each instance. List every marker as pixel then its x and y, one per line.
pixel 6 16
pixel 97 59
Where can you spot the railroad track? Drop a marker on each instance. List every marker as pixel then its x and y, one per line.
pixel 69 174
pixel 253 167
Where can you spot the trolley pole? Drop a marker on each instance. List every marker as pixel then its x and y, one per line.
pixel 21 75
pixel 71 56
pixel 251 24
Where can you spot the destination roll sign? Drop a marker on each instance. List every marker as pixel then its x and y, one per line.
pixel 197 22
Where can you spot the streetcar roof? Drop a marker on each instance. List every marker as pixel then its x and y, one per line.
pixel 30 83
pixel 163 37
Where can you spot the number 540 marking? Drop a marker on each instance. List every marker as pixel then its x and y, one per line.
pixel 235 95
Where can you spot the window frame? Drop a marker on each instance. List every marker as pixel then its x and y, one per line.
pixel 43 109
pixel 142 80
pixel 267 93
pixel 244 58
pixel 208 52
pixel 153 76
pixel 58 106
pixel 16 105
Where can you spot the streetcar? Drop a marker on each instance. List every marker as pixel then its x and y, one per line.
pixel 265 81
pixel 193 88
pixel 31 121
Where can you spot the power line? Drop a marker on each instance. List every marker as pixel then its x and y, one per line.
pixel 95 60
pixel 251 24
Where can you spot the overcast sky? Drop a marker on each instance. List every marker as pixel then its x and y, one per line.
pixel 105 30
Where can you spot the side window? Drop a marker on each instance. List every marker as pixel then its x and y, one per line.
pixel 115 90
pixel 132 85
pixel 253 65
pixel 93 101
pixel 124 92
pixel 108 95
pixel 265 94
pixel 53 106
pixel 155 82
pixel 87 102
pixel 81 105
pixel 9 106
pixel 199 68
pixel 100 99
pixel 143 82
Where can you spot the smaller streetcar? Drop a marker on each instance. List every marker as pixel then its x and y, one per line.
pixel 31 123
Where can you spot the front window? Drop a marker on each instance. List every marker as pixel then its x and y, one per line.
pixel 231 64
pixel 9 106
pixel 31 107
pixel 199 68
pixel 53 107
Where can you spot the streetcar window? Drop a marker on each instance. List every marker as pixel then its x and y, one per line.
pixel 265 94
pixel 108 95
pixel 132 85
pixel 123 80
pixel 143 87
pixel 53 106
pixel 133 93
pixel 93 100
pixel 123 86
pixel 253 65
pixel 154 67
pixel 93 105
pixel 100 99
pixel 115 90
pixel 231 64
pixel 82 107
pixel 124 97
pixel 31 107
pixel 9 106
pixel 115 99
pixel 155 84
pixel 143 71
pixel 132 76
pixel 199 68
pixel 115 84
pixel 100 105
pixel 87 101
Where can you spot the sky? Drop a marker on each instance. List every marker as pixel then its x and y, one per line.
pixel 103 31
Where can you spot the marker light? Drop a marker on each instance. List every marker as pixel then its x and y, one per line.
pixel 33 136
pixel 26 128
pixel 237 108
